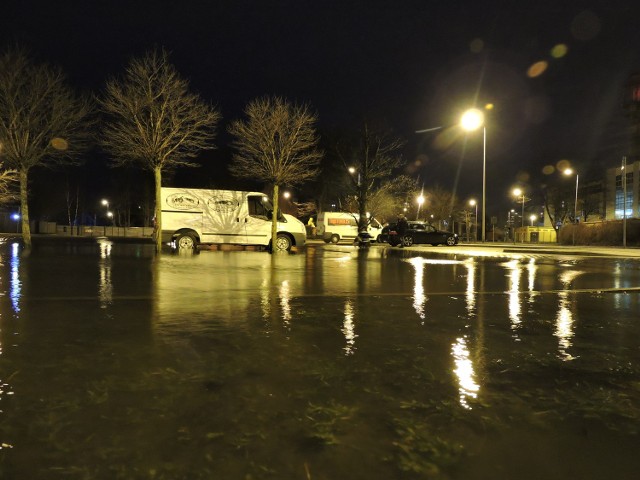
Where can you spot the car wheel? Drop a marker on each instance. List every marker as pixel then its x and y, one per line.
pixel 407 241
pixel 185 241
pixel 451 241
pixel 283 242
pixel 335 238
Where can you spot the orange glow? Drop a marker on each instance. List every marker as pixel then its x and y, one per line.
pixel 537 69
pixel 563 164
pixel 59 143
pixel 548 169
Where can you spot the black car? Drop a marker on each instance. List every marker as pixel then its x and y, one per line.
pixel 418 233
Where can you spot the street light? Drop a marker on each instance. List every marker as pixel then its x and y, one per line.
pixel 520 193
pixel 570 171
pixel 472 120
pixel 533 219
pixel 473 203
pixel 420 200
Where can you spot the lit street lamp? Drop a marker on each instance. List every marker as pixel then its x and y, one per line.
pixel 472 120
pixel 533 219
pixel 473 203
pixel 420 201
pixel 569 171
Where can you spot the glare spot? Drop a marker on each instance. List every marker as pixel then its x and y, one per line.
pixel 537 69
pixel 585 26
pixel 559 50
pixel 59 143
pixel 488 106
pixel 548 169
pixel 563 164
pixel 476 45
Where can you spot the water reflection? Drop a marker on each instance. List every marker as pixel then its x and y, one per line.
pixel 16 285
pixel 471 288
pixel 419 297
pixel 348 328
pixel 532 269
pixel 515 309
pixel 464 371
pixel 564 317
pixel 105 286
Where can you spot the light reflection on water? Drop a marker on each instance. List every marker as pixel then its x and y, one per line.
pixel 16 284
pixel 263 363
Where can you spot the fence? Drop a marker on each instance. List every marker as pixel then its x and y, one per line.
pixel 93 231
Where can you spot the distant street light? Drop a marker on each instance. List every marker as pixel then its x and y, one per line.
pixel 472 120
pixel 533 219
pixel 520 193
pixel 286 194
pixel 473 203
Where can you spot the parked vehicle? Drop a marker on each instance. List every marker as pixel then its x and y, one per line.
pixel 343 226
pixel 191 216
pixel 419 233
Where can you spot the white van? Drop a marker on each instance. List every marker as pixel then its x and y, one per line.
pixel 191 216
pixel 336 226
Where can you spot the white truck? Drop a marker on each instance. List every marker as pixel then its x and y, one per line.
pixel 191 216
pixel 336 226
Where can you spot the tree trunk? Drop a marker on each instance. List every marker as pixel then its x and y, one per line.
pixel 157 230
pixel 24 207
pixel 274 218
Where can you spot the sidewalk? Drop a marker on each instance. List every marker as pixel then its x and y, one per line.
pixel 497 248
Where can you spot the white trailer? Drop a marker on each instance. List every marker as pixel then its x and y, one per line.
pixel 191 216
pixel 336 226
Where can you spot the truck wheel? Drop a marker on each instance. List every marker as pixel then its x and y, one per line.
pixel 335 238
pixel 185 241
pixel 283 242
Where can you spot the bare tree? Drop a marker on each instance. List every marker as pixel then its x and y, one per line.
pixel 277 144
pixel 441 203
pixel 385 201
pixel 8 179
pixel 371 160
pixel 154 121
pixel 42 122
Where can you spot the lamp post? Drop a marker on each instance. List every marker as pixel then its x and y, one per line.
pixel 520 193
pixel 569 171
pixel 420 201
pixel 473 203
pixel 472 120
pixel 623 174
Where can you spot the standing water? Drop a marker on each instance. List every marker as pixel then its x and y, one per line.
pixel 331 363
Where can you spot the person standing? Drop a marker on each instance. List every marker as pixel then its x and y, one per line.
pixel 402 227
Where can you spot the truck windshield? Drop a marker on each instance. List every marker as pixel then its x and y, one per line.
pixel 261 207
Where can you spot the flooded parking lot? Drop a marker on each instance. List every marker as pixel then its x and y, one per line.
pixel 330 363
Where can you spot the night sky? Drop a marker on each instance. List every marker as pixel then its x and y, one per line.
pixel 410 65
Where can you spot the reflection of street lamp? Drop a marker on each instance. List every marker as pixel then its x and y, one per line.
pixel 420 200
pixel 472 120
pixel 473 203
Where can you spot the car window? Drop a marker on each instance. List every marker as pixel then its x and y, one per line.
pixel 430 229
